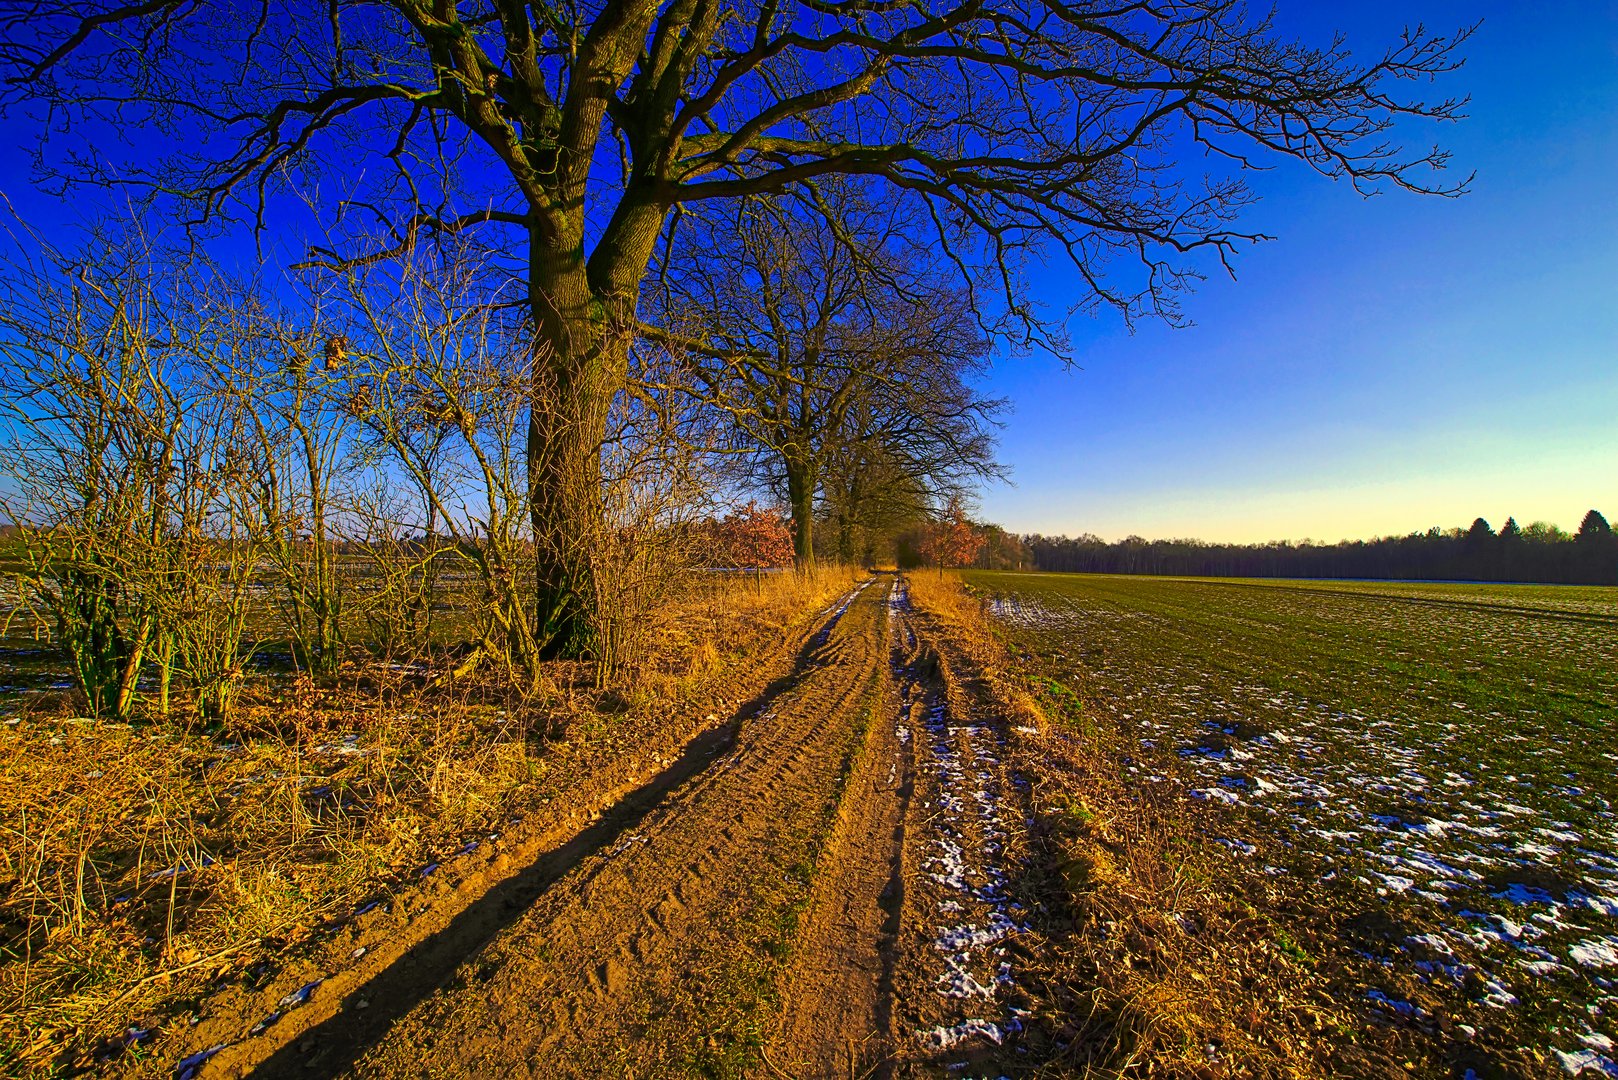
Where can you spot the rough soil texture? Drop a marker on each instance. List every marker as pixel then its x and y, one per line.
pixel 824 886
pixel 837 1018
pixel 969 915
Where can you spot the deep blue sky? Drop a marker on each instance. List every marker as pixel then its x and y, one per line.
pixel 1385 364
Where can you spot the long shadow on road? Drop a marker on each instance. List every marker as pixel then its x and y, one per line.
pixel 337 1042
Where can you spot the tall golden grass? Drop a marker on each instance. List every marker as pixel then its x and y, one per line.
pixel 141 864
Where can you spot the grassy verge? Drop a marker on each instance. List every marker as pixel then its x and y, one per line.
pixel 143 867
pixel 1160 965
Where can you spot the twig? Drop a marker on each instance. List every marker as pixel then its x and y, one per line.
pixel 167 972
pixel 783 1075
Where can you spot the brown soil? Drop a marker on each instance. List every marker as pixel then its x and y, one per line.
pixel 973 908
pixel 774 901
pixel 907 963
pixel 838 1015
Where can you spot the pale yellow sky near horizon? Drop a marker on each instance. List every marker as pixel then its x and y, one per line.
pixel 1558 487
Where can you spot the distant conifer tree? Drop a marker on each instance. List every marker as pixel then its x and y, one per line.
pixel 1593 527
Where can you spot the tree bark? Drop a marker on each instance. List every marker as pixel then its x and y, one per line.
pixel 581 363
pixel 845 538
pixel 801 494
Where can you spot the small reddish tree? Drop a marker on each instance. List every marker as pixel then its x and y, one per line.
pixel 754 538
pixel 953 540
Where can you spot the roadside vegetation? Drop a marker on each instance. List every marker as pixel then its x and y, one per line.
pixel 1406 788
pixel 147 865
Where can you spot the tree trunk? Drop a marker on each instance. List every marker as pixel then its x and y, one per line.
pixel 584 318
pixel 564 476
pixel 845 540
pixel 848 498
pixel 801 494
pixel 581 364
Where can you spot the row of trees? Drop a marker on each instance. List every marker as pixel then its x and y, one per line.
pixel 202 465
pixel 1539 553
pixel 837 359
pixel 624 172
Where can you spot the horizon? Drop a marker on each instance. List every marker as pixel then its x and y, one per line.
pixel 1495 525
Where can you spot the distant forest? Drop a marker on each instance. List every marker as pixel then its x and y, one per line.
pixel 1539 553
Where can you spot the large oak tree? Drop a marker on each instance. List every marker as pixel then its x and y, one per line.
pixel 1025 126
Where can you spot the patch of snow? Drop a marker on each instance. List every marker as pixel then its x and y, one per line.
pixel 942 1038
pixel 1518 893
pixel 1580 1062
pixel 1596 952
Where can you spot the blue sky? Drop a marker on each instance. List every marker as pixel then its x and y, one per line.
pixel 1384 364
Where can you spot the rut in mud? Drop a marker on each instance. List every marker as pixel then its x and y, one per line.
pixel 904 963
pixel 823 888
pixel 647 954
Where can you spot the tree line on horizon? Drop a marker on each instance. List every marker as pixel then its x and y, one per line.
pixel 1540 552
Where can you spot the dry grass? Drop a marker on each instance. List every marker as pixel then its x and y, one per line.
pixel 1159 965
pixel 141 866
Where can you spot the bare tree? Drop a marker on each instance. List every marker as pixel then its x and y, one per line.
pixel 440 373
pixel 300 432
pixel 827 341
pixel 905 450
pixel 1016 126
pixel 120 452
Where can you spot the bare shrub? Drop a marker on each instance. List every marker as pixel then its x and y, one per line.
pixel 656 485
pixel 120 444
pixel 442 386
pixel 298 389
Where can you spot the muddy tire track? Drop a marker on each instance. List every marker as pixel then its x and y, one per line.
pixel 907 960
pixel 628 962
pixel 837 1019
pixel 964 924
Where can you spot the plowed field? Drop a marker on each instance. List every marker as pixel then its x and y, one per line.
pixel 1430 768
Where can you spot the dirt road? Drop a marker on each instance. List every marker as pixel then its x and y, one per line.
pixel 825 887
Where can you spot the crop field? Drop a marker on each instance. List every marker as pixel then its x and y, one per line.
pixel 1434 765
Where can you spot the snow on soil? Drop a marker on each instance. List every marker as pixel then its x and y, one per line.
pixel 1584 1062
pixel 974 913
pixel 1509 863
